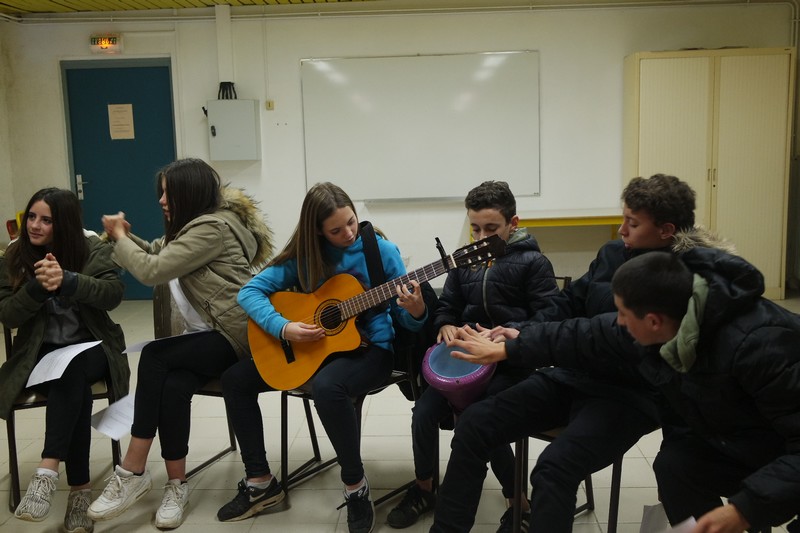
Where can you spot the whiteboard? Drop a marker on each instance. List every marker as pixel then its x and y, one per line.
pixel 424 126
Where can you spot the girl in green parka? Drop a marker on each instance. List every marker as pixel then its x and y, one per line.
pixel 214 237
pixel 57 284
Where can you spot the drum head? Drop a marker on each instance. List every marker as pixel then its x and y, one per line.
pixel 446 366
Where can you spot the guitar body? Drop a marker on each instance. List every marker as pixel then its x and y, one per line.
pixel 283 373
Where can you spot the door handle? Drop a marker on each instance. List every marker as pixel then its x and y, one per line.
pixel 79 183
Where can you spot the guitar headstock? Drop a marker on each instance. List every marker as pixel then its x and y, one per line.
pixel 481 251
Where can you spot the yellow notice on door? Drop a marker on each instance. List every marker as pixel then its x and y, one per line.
pixel 120 121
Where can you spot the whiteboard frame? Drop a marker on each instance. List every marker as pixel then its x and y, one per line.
pixel 337 132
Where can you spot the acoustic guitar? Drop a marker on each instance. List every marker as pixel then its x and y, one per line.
pixel 286 365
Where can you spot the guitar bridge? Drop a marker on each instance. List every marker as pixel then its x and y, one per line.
pixel 287 351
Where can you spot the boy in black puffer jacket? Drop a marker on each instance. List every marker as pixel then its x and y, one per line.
pixel 509 290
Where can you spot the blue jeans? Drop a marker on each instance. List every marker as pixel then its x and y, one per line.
pixel 343 377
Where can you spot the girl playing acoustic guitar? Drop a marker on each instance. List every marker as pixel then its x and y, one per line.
pixel 325 243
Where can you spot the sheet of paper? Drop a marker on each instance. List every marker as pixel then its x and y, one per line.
pixel 52 365
pixel 139 346
pixel 116 419
pixel 684 527
pixel 654 519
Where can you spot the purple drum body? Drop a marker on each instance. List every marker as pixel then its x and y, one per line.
pixel 461 382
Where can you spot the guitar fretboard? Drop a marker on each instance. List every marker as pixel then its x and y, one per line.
pixel 377 295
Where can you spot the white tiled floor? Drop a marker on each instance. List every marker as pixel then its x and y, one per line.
pixel 386 450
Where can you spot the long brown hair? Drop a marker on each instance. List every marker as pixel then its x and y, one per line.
pixel 307 242
pixel 69 243
pixel 193 189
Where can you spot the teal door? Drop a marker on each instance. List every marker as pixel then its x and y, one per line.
pixel 121 131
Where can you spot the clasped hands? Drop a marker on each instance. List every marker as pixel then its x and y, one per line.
pixel 116 226
pixel 48 273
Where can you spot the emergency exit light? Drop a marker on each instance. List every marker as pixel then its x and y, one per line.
pixel 110 43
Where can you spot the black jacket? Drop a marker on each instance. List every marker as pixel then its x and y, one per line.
pixel 741 395
pixel 511 289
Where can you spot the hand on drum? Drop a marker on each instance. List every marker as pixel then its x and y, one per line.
pixel 501 334
pixel 474 346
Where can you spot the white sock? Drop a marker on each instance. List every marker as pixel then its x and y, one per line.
pixel 348 492
pixel 259 485
pixel 46 472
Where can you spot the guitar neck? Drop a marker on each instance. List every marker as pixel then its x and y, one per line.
pixel 377 295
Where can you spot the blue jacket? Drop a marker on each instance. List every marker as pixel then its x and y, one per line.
pixel 253 297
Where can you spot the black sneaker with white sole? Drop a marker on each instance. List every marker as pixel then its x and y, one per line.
pixel 360 511
pixel 415 503
pixel 250 501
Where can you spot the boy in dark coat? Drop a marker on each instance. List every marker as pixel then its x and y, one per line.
pixel 511 289
pixel 726 362
pixel 602 417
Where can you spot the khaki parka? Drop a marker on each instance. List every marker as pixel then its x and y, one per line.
pixel 213 256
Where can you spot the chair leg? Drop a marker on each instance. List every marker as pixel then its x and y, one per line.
pixel 284 443
pixel 305 470
pixel 225 451
pixel 589 505
pixel 520 483
pixel 116 454
pixel 613 506
pixel 13 465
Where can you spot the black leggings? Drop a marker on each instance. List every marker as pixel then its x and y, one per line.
pixel 68 430
pixel 344 377
pixel 171 370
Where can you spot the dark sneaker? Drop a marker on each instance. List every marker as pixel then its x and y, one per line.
pixel 251 501
pixel 415 503
pixel 507 521
pixel 360 511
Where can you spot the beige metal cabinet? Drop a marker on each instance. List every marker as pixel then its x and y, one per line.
pixel 720 120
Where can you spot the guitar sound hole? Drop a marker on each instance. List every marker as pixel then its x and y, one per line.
pixel 330 318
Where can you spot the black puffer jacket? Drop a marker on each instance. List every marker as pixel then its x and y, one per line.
pixel 741 395
pixel 511 289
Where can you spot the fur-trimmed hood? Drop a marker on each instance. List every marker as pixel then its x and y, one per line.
pixel 700 236
pixel 246 208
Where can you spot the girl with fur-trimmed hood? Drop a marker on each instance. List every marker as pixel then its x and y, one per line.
pixel 214 239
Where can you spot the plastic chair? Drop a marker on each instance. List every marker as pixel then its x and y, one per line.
pixel 29 399
pixel 166 322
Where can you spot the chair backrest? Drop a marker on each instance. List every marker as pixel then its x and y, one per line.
pixel 563 281
pixel 167 318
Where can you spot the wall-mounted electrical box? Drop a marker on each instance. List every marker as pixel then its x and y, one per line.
pixel 234 130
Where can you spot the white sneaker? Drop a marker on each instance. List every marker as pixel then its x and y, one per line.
pixel 122 491
pixel 35 505
pixel 170 512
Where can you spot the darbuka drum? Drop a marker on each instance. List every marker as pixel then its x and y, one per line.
pixel 461 382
